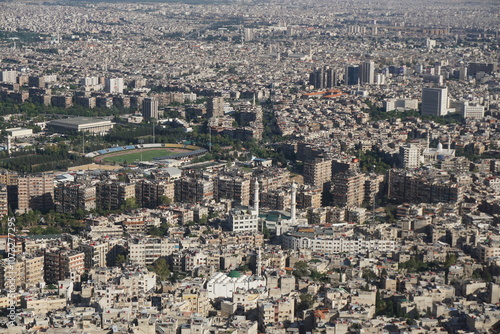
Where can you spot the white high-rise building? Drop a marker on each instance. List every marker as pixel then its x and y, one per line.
pixel 411 155
pixel 435 101
pixel 8 76
pixel 114 85
pixel 89 81
pixel 430 43
pixel 249 34
pixel 368 72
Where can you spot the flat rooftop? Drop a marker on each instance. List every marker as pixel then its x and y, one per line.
pixel 78 121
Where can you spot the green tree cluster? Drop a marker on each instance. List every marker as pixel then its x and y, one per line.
pixel 161 268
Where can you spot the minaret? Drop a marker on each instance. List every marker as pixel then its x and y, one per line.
pixel 294 203
pixel 256 197
pixel 428 139
pixel 258 269
pixel 449 142
pixel 8 145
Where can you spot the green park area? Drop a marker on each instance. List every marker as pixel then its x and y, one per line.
pixel 138 155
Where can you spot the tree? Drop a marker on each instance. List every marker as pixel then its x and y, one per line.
pixel 164 200
pixel 203 220
pixel 369 274
pixel 160 267
pixel 306 302
pixel 451 259
pixel 300 269
pixel 130 204
pixel 120 259
pixel 265 232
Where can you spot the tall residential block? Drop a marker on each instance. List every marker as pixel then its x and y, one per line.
pixel 61 264
pixel 149 194
pixel 193 190
pixel 348 189
pixel 352 75
pixel 26 270
pixel 150 108
pixel 114 85
pixel 410 155
pixel 4 200
pixel 35 193
pixel 112 195
pixel 317 172
pixel 232 187
pixel 323 78
pixel 70 197
pixel 215 107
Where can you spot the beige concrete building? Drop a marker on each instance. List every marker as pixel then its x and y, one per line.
pixel 35 193
pixel 348 189
pixel 26 271
pixel 70 197
pixel 317 172
pixel 62 264
pixel 111 195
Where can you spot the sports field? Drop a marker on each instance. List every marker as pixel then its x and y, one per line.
pixel 138 155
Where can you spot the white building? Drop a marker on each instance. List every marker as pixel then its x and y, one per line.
pixel 411 155
pixel 244 219
pixel 19 132
pixel 400 104
pixel 8 76
pixel 223 285
pixel 430 43
pixel 146 251
pixel 114 85
pixel 473 111
pixel 323 244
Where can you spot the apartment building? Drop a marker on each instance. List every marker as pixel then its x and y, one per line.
pixel 62 264
pixel 317 172
pixel 4 200
pixel 35 193
pixel 193 190
pixel 70 197
pixel 233 188
pixel 149 194
pixel 348 189
pixel 112 194
pixel 26 271
pixel 273 311
pixel 147 250
pixel 423 187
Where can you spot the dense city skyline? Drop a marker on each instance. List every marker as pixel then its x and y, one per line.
pixel 195 167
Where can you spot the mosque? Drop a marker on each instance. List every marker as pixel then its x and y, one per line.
pixel 439 153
